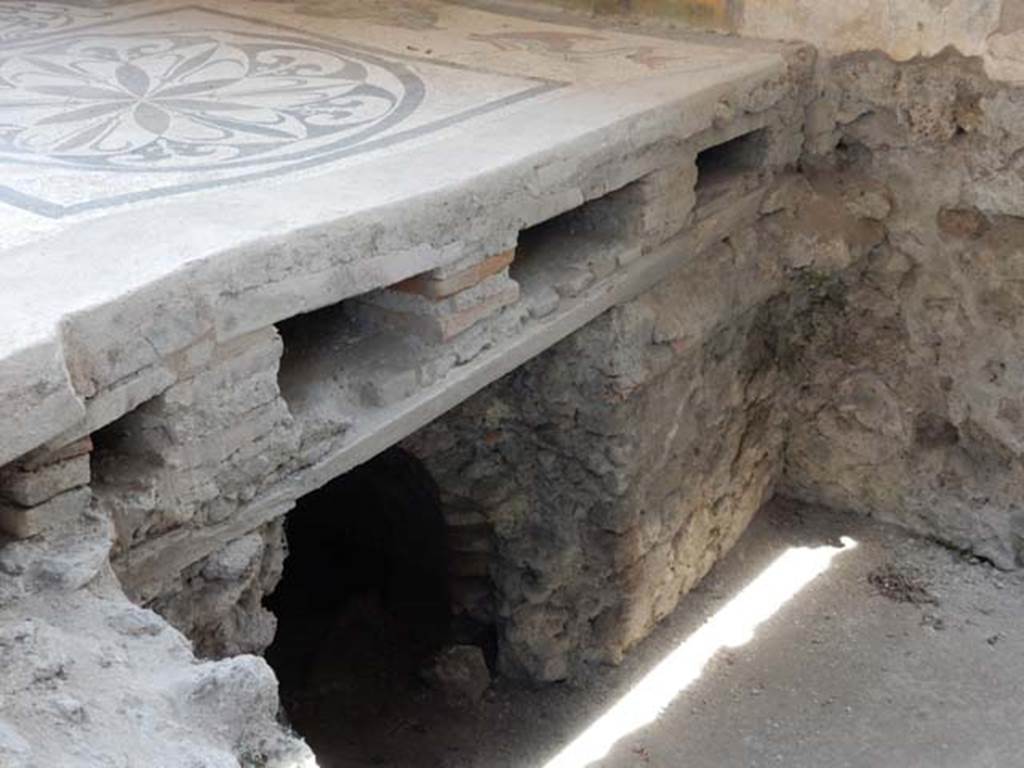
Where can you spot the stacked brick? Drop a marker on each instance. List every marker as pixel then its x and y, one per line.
pixel 192 456
pixel 470 540
pixel 45 488
pixel 441 304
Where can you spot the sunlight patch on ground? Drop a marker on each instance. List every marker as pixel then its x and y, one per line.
pixel 733 625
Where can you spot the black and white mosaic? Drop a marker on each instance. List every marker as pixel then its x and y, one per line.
pixel 192 100
pixel 185 98
pixel 19 21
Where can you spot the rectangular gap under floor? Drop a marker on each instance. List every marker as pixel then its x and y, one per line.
pixel 355 385
pixel 574 250
pixel 732 166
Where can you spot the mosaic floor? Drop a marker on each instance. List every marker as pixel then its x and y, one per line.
pixel 105 104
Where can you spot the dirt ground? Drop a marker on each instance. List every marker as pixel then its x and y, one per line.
pixel 900 653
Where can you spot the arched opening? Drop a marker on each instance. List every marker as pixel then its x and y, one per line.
pixel 362 608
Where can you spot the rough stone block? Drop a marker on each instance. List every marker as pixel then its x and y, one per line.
pixel 603 264
pixel 473 597
pixel 390 385
pixel 22 522
pixel 218 600
pixel 542 301
pixel 29 487
pixel 461 674
pixel 573 281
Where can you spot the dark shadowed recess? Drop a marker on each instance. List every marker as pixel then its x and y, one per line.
pixel 362 608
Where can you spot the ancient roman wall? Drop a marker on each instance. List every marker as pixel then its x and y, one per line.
pixel 198 478
pixel 910 404
pixel 184 471
pixel 613 471
pixel 907 362
pixel 845 328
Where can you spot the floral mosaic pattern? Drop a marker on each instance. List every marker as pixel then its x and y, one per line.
pixel 192 101
pixel 22 20
pixel 107 103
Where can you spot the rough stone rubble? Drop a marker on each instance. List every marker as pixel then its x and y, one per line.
pixel 909 405
pixel 90 679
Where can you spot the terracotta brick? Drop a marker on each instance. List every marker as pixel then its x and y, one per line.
pixel 441 288
pixel 447 325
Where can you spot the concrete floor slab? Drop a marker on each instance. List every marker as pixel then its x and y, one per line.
pixel 188 170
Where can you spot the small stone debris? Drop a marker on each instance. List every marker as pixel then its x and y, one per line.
pixel 460 673
pixel 900 586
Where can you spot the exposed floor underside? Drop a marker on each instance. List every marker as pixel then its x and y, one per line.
pixel 899 653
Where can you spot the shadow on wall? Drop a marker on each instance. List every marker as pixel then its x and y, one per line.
pixel 362 606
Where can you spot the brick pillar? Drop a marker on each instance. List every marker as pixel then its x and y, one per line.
pixel 442 304
pixel 197 454
pixel 45 488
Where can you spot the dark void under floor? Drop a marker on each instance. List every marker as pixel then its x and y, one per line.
pixel 889 651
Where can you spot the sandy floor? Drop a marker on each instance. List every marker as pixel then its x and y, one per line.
pixel 897 653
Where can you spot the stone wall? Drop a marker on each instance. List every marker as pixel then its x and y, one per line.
pixel 198 478
pixel 906 359
pixel 615 469
pixel 910 406
pixel 218 601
